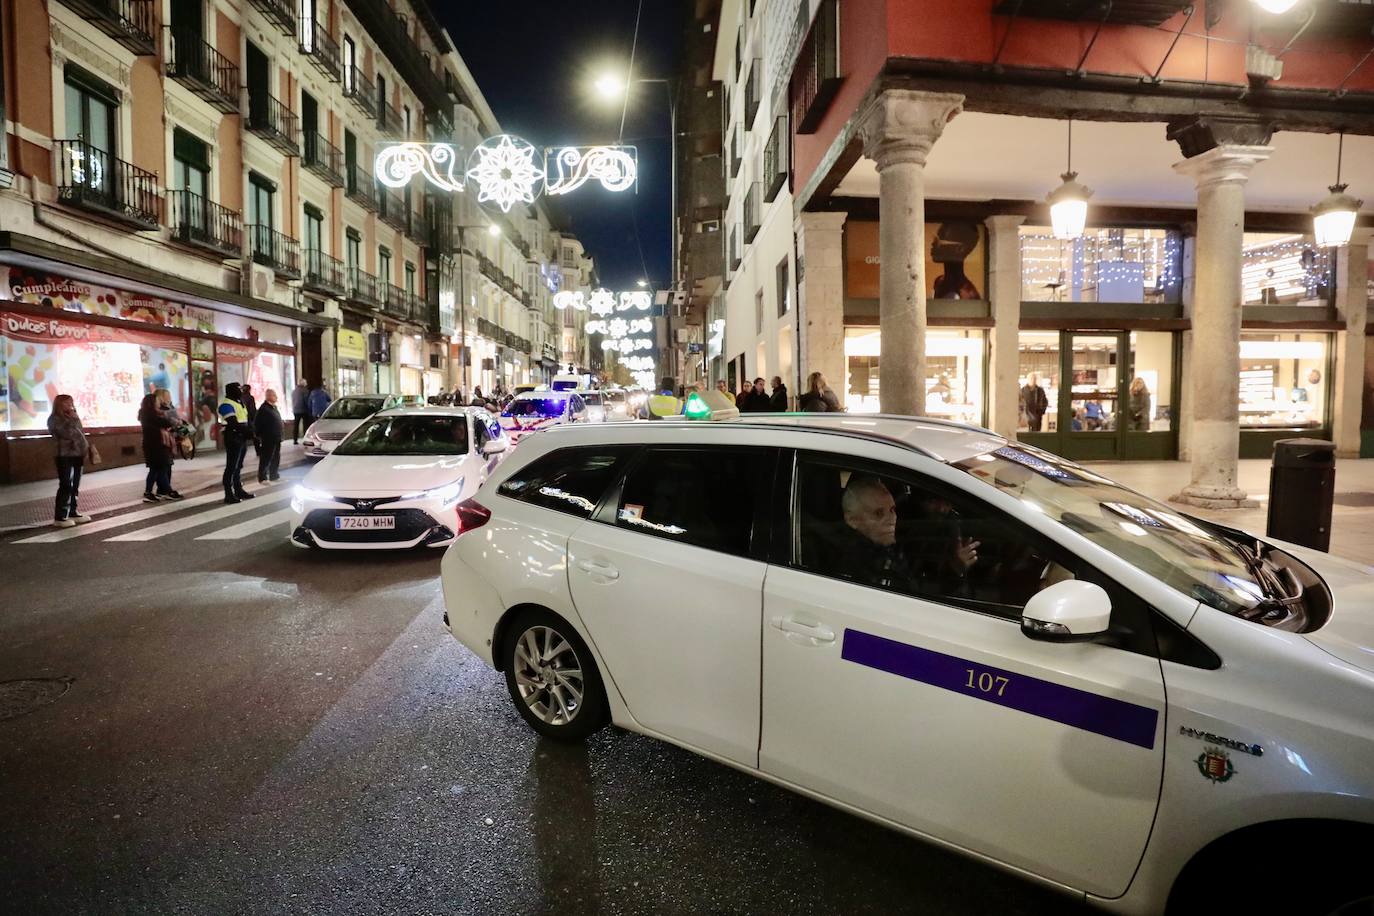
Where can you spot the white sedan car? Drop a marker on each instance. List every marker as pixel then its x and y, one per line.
pixel 396 480
pixel 341 417
pixel 536 410
pixel 971 641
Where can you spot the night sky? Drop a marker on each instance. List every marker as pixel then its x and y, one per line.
pixel 536 60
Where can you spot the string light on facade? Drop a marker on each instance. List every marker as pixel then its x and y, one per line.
pixel 437 162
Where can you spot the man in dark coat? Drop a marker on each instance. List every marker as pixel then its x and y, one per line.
pixel 1035 401
pixel 777 402
pixel 267 426
pixel 300 409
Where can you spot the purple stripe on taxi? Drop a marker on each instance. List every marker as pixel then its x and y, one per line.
pixel 1091 712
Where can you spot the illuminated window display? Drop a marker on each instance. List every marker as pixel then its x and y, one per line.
pixel 954 372
pixel 1104 265
pixel 1038 372
pixel 1283 380
pixel 1150 395
pixel 1285 269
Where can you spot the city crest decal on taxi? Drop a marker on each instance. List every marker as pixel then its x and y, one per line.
pixel 1102 715
pixel 1215 764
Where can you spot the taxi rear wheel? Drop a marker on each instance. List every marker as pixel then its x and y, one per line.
pixel 551 677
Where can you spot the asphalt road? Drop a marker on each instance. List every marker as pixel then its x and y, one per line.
pixel 254 728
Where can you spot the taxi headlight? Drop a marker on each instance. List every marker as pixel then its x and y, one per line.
pixel 447 495
pixel 302 495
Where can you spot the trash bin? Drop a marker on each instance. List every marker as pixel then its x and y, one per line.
pixel 1302 486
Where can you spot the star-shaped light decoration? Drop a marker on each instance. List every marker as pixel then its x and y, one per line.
pixel 505 172
pixel 601 302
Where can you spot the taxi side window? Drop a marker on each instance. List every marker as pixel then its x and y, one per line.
pixel 570 480
pixel 705 497
pixel 894 531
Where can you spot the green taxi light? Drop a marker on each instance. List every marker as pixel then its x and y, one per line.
pixel 696 409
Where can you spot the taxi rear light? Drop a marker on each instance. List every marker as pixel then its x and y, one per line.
pixel 472 515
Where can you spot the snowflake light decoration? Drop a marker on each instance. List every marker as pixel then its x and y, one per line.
pixel 601 302
pixel 505 171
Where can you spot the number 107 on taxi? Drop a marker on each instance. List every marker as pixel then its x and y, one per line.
pixel 987 682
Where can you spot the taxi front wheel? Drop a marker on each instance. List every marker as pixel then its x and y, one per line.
pixel 551 677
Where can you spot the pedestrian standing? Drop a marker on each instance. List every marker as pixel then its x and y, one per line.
pixel 300 410
pixel 756 400
pixel 249 402
pixel 777 402
pixel 157 421
pixel 72 449
pixel 319 402
pixel 818 397
pixel 1036 401
pixel 235 433
pixel 269 429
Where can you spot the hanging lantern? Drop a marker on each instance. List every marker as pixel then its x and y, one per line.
pixel 1069 202
pixel 1333 220
pixel 1277 7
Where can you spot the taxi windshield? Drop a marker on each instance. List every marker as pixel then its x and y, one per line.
pixel 535 407
pixel 1221 571
pixel 408 435
pixel 352 409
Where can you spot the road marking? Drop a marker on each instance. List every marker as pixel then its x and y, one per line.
pixel 119 521
pixel 199 518
pixel 252 526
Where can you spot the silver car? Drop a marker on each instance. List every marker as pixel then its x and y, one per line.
pixel 341 417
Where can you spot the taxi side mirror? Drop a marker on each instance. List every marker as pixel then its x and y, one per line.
pixel 1068 611
pixel 493 446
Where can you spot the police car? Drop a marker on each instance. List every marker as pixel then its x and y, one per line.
pixel 962 638
pixel 536 410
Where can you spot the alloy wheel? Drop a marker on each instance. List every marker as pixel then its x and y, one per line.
pixel 548 675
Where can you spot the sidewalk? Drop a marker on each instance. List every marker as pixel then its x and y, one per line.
pixel 1352 518
pixel 30 505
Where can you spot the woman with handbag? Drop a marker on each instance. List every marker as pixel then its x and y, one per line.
pixel 159 445
pixel 71 454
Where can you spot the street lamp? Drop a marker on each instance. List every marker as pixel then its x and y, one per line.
pixel 1277 7
pixel 1333 220
pixel 642 283
pixel 1069 202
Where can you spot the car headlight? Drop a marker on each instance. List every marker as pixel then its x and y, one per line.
pixel 302 495
pixel 447 495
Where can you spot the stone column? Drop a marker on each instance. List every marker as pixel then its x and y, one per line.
pixel 1004 296
pixel 1352 310
pixel 898 128
pixel 1220 171
pixel 820 300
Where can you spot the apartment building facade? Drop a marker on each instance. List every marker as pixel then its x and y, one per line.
pixel 187 199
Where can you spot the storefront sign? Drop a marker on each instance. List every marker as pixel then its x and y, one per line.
pixel 350 344
pixel 955 268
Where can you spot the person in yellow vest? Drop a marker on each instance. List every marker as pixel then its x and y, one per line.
pixel 665 403
pixel 234 434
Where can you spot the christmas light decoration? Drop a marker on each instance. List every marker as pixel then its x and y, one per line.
pixel 97 172
pixel 613 166
pixel 569 299
pixel 505 171
pixel 601 302
pixel 396 165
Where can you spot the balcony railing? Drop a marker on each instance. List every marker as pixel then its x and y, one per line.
pixel 271 119
pixel 205 224
pixel 359 90
pixel 320 49
pixel 401 304
pixel 194 63
pixel 816 76
pixel 752 211
pixel 323 274
pixel 775 159
pixel 362 288
pixel 282 14
pixel 90 178
pixel 389 120
pixel 360 186
pixel 391 31
pixel 272 249
pixel 323 158
pixel 132 23
pixel 393 208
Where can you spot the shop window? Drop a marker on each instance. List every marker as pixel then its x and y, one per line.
pixel 955 372
pixel 1150 395
pixel 1285 269
pixel 1038 374
pixel 1283 380
pixel 1104 265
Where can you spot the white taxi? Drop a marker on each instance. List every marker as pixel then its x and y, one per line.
pixel 397 479
pixel 972 641
pixel 536 410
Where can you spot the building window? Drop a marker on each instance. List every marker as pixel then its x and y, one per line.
pixel 954 372
pixel 91 106
pixel 1283 380
pixel 384 263
pixel 784 290
pixel 1286 269
pixel 314 228
pixel 261 193
pixel 353 249
pixel 1104 265
pixel 410 278
pixel 190 164
pixel 350 65
pixel 405 119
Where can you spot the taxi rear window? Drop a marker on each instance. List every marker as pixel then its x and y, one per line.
pixel 569 480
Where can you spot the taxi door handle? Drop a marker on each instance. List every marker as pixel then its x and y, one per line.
pixel 817 633
pixel 599 570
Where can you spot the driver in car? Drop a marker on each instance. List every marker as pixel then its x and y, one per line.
pixel 870 553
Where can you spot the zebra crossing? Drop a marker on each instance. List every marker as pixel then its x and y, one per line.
pixel 164 520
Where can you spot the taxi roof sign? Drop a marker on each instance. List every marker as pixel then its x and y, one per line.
pixel 710 405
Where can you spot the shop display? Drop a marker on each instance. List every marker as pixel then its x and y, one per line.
pixel 1103 265
pixel 1283 381
pixel 1285 270
pixel 954 373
